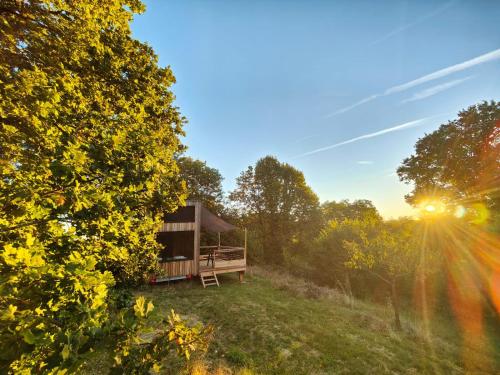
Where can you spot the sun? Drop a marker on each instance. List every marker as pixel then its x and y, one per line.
pixel 432 207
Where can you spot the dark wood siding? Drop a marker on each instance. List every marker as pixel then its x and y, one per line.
pixel 182 215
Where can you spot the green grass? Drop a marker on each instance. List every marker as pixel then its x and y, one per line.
pixel 275 325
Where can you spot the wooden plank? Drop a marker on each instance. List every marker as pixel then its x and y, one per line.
pixel 229 270
pixel 177 268
pixel 177 227
pixel 230 263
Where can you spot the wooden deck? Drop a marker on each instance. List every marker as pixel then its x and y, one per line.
pixel 224 268
pixel 213 260
pixel 222 259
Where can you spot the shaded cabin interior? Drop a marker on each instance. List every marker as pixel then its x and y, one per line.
pixel 183 257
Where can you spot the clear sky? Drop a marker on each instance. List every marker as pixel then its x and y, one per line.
pixel 342 90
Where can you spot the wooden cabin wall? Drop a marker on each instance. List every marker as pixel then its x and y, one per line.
pixel 184 214
pixel 178 268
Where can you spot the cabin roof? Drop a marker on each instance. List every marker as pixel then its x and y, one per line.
pixel 214 223
pixel 207 220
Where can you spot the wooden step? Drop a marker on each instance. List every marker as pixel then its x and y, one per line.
pixel 208 279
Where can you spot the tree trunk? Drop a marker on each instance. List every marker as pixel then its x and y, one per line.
pixel 348 288
pixel 395 304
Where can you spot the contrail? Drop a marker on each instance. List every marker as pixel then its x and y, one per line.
pixel 435 89
pixel 487 57
pixel 406 125
pixel 416 22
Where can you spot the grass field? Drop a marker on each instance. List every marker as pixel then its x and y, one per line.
pixel 279 325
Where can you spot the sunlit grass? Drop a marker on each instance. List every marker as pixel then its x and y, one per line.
pixel 277 324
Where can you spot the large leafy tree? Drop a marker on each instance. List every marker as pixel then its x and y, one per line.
pixel 278 204
pixel 88 135
pixel 203 182
pixel 460 160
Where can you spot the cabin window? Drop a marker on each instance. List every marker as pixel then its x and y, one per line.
pixel 176 245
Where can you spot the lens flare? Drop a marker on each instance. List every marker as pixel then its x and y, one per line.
pixel 481 213
pixel 460 212
pixel 470 271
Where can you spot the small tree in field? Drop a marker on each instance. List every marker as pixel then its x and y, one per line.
pixel 328 255
pixel 389 253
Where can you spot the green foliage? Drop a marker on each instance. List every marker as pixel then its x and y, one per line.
pixel 278 205
pixel 88 135
pixel 50 308
pixel 459 161
pixel 203 183
pixel 122 298
pixel 139 355
pixel 387 250
pixel 328 256
pixel 358 209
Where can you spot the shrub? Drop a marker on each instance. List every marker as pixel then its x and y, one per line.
pixel 136 355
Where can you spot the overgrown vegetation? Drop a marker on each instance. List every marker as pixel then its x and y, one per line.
pixel 276 323
pixel 91 159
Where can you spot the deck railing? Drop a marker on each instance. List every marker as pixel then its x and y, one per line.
pixel 220 256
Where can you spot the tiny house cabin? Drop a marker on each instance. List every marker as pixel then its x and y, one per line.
pixel 183 257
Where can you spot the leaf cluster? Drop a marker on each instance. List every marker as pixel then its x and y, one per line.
pixel 144 354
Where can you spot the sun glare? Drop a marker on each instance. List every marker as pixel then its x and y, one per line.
pixel 432 207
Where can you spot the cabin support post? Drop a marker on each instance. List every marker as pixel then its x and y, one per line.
pixel 242 273
pixel 197 228
pixel 245 251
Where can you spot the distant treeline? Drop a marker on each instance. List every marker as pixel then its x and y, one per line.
pixel 446 259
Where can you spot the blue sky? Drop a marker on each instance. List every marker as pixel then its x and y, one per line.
pixel 342 90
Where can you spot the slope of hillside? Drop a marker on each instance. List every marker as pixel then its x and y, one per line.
pixel 274 324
